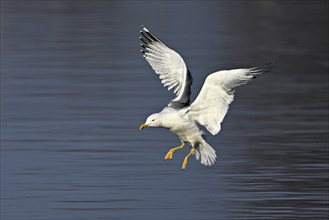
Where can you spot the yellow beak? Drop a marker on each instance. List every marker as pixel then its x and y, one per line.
pixel 143 126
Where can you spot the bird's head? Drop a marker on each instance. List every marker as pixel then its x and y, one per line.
pixel 153 120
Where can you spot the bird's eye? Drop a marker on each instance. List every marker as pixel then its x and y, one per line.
pixel 153 119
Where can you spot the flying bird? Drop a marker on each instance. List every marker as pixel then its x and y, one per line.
pixel 209 108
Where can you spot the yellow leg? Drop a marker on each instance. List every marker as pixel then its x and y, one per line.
pixel 186 158
pixel 171 151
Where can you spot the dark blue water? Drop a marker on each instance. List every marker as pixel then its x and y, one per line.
pixel 74 90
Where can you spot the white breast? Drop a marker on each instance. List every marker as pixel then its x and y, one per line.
pixel 185 129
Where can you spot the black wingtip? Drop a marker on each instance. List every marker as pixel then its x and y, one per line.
pixel 144 29
pixel 269 66
pixel 266 67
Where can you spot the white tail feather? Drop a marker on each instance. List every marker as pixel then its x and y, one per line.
pixel 206 154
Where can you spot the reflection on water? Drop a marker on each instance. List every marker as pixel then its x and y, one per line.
pixel 74 90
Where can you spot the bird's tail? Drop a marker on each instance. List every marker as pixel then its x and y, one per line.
pixel 206 154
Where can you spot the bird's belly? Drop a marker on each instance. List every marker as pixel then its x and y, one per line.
pixel 191 134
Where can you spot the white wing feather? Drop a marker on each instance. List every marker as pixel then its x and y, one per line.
pixel 167 63
pixel 211 105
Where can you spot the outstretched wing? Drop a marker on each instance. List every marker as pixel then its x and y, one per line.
pixel 170 67
pixel 211 105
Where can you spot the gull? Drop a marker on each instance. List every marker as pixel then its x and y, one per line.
pixel 208 109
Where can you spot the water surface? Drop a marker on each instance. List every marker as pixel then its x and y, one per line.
pixel 74 90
